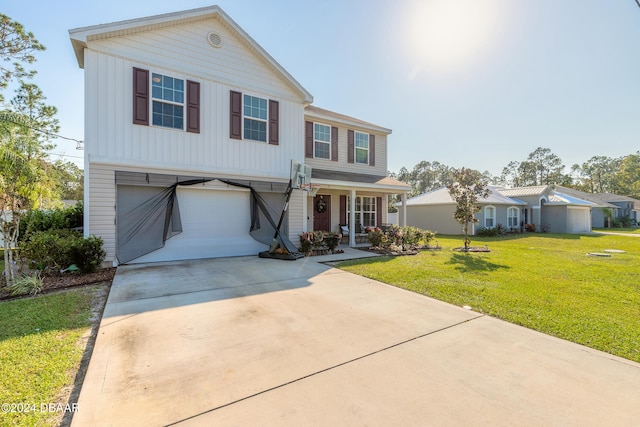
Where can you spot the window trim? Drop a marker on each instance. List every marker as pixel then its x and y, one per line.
pixel 356 148
pixel 493 217
pixel 321 142
pixel 361 212
pixel 153 99
pixel 257 119
pixel 517 216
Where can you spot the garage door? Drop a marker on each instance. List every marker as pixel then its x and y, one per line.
pixel 215 223
pixel 578 220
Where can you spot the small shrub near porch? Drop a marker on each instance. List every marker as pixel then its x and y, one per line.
pixel 319 243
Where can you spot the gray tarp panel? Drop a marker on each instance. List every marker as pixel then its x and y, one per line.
pixel 148 212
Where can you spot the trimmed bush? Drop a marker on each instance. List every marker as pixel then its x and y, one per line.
pixel 57 249
pixel 87 254
pixel 56 219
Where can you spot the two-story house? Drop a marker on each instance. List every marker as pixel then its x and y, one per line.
pixel 189 123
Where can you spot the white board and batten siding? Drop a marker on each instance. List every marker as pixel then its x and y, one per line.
pixel 111 137
pixel 113 142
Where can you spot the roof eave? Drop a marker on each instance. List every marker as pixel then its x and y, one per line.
pixel 344 121
pixel 329 183
pixel 80 36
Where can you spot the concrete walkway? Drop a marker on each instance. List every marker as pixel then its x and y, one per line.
pixel 250 341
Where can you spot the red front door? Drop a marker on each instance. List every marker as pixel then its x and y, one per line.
pixel 322 213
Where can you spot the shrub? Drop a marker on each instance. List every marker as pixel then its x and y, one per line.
pixel 500 229
pixel 56 219
pixel 428 236
pixel 87 253
pixel 530 227
pixel 48 250
pixel 58 249
pixel 376 237
pixel 412 235
pixel 305 242
pixel 625 221
pixel 487 232
pixel 27 284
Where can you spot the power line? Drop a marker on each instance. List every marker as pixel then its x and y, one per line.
pixel 66 155
pixel 77 141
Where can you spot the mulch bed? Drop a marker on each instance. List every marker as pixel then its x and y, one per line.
pixel 472 249
pixel 68 280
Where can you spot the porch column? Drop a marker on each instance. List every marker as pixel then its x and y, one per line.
pixel 404 209
pixel 352 219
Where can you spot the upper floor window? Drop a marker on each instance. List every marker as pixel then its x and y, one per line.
pixel 489 216
pixel 255 118
pixel 322 141
pixel 167 94
pixel 512 217
pixel 362 148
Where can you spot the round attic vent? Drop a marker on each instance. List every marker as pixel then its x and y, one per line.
pixel 214 39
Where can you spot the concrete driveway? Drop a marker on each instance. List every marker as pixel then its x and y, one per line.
pixel 250 341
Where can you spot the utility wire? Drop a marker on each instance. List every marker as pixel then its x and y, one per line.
pixel 77 141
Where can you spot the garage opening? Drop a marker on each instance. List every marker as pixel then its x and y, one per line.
pixel 164 217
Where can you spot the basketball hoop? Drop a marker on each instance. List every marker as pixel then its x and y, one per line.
pixel 300 176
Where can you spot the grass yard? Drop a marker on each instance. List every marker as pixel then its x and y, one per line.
pixel 40 352
pixel 543 281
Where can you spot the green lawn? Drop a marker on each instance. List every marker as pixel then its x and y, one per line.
pixel 40 351
pixel 631 230
pixel 544 282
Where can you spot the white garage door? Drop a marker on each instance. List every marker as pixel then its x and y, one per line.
pixel 578 220
pixel 215 223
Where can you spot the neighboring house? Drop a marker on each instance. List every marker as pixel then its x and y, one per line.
pixel 190 131
pixel 601 208
pixel 553 211
pixel 434 211
pixel 541 206
pixel 626 206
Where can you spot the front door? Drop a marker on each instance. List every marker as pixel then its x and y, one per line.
pixel 322 212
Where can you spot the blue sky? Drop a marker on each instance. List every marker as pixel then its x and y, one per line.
pixel 473 83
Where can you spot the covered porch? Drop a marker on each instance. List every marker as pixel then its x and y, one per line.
pixel 351 204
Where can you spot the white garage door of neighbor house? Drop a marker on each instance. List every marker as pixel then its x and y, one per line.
pixel 579 220
pixel 215 223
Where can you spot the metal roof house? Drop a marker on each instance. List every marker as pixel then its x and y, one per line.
pixel 541 206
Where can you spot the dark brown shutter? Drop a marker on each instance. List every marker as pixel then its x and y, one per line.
pixel 334 143
pixel 343 210
pixel 350 148
pixel 378 211
pixel 372 150
pixel 274 114
pixel 193 106
pixel 236 115
pixel 140 97
pixel 308 139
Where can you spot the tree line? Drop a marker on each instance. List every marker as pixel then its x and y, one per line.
pixel 29 179
pixel 599 174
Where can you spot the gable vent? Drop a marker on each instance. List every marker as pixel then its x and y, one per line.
pixel 214 39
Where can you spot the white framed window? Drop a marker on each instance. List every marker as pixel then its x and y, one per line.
pixel 167 94
pixel 361 148
pixel 255 118
pixel 321 141
pixel 365 211
pixel 513 214
pixel 489 216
